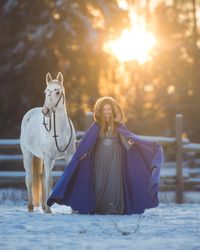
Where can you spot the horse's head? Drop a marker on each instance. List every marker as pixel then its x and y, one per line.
pixel 54 94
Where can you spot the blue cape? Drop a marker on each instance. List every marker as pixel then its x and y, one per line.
pixel 141 173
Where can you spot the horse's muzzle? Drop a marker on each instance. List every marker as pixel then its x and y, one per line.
pixel 46 111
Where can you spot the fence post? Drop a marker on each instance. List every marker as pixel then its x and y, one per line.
pixel 88 119
pixel 179 158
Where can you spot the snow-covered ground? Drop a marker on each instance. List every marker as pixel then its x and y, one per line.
pixel 169 226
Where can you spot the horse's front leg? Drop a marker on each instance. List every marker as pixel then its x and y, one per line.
pixel 43 191
pixel 27 160
pixel 48 181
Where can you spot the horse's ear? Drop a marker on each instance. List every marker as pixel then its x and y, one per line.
pixel 48 78
pixel 60 78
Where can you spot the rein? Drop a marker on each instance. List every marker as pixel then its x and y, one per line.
pixel 55 135
pixel 45 124
pixel 54 130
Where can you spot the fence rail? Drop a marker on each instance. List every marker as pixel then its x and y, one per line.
pixel 9 143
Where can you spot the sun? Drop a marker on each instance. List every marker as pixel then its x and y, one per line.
pixel 133 44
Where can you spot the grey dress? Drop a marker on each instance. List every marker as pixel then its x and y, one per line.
pixel 108 176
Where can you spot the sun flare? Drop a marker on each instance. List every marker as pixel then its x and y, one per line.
pixel 133 44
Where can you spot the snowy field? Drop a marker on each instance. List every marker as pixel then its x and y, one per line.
pixel 168 226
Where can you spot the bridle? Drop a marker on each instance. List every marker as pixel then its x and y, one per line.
pixel 54 121
pixel 62 95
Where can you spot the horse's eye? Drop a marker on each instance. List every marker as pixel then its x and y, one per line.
pixel 57 92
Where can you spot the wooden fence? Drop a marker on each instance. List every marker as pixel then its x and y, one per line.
pixel 178 143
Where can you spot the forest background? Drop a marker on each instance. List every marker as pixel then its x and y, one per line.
pixel 69 36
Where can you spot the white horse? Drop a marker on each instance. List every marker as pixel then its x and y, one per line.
pixel 47 134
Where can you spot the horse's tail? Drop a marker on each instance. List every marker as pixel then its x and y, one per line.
pixel 37 180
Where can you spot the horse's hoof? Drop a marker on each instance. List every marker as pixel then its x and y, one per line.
pixel 43 208
pixel 30 208
pixel 47 210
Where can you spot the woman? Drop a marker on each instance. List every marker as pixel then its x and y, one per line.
pixel 113 171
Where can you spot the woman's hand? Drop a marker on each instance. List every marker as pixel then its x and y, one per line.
pixel 131 142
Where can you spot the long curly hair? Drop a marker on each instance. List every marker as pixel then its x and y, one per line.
pixel 117 113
